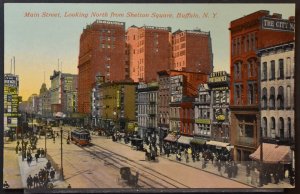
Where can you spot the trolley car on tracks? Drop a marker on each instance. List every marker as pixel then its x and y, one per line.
pixel 81 137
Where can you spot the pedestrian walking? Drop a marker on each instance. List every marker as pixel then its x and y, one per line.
pixel 52 173
pixel 35 181
pixel 42 152
pixel 17 149
pixel 48 165
pixel 28 161
pixel 38 152
pixel 69 186
pixel 36 157
pixel 53 139
pixel 5 185
pixel 29 182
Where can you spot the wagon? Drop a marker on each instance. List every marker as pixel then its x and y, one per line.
pixel 129 178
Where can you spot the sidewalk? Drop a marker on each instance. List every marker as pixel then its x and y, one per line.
pixel 241 175
pixel 16 171
pixel 11 170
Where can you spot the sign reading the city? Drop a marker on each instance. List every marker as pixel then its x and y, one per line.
pixel 277 24
pixel 220 76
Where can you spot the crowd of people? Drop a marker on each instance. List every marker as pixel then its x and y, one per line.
pixel 43 178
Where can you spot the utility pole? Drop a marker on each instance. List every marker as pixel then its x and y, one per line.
pixel 61 155
pixel 46 141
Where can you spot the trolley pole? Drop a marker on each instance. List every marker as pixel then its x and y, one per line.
pixel 61 155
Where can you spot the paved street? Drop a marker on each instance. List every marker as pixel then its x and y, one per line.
pixel 98 166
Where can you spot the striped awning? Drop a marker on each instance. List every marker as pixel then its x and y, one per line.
pixel 217 143
pixel 273 153
pixel 184 140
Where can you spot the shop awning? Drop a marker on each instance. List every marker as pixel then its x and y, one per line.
pixel 184 140
pixel 217 144
pixel 170 137
pixel 273 153
pixel 197 140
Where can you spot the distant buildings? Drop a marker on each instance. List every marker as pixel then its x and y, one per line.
pixel 63 93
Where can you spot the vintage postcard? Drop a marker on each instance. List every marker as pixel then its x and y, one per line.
pixel 149 96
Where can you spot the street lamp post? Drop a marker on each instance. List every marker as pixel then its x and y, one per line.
pixel 61 154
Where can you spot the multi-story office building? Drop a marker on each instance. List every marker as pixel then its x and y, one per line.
pixel 102 50
pixel 192 51
pixel 248 34
pixel 218 83
pixel 63 85
pixel 117 105
pixel 277 71
pixel 149 51
pixel 147 109
pixel 11 103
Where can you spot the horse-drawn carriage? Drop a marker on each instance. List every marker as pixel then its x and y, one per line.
pixel 127 177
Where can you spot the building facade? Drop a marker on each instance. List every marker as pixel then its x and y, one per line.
pixel 218 83
pixel 183 90
pixel 203 112
pixel 11 103
pixel 147 109
pixel 149 51
pixel 117 105
pixel 247 35
pixel 277 93
pixel 63 92
pixel 102 50
pixel 192 51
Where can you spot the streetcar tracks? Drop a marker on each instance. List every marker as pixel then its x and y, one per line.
pixel 139 167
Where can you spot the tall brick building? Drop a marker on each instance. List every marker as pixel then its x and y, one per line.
pixel 149 51
pixel 192 51
pixel 247 35
pixel 102 48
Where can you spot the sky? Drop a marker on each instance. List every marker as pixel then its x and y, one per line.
pixel 38 43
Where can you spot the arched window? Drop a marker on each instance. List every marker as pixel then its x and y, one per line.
pixel 289 127
pixel 288 67
pixel 288 96
pixel 265 127
pixel 280 98
pixel 281 128
pixel 264 98
pixel 237 70
pixel 272 98
pixel 272 126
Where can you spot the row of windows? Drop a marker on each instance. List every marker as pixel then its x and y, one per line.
pixel 180 64
pixel 251 93
pixel 277 128
pixel 280 98
pixel 251 69
pixel 280 69
pixel 245 43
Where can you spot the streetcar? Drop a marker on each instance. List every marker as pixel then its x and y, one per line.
pixel 80 137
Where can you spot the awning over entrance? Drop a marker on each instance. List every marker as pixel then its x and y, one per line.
pixel 197 140
pixel 217 144
pixel 273 154
pixel 184 140
pixel 170 137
